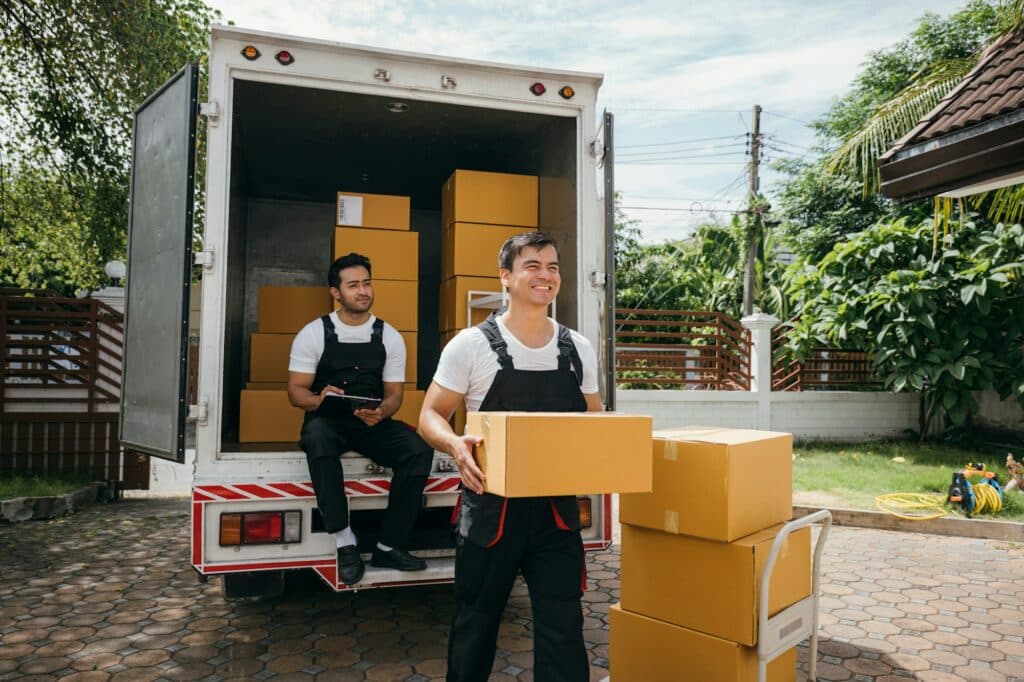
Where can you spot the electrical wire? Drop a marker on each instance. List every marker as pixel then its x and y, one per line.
pixel 688 141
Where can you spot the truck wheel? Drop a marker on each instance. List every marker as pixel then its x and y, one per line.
pixel 253 585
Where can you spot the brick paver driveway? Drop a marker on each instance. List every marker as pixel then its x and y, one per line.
pixel 108 594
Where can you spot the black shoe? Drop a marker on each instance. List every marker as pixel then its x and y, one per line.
pixel 397 558
pixel 350 565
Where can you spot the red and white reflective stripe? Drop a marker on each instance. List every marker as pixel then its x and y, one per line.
pixel 243 492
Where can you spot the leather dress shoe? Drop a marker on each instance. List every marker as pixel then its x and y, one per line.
pixel 397 558
pixel 350 565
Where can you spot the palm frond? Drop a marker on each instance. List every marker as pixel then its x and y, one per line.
pixel 1007 205
pixel 895 118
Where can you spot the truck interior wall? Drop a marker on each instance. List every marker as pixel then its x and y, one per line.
pixel 294 148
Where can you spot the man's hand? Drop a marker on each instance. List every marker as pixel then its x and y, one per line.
pixel 370 417
pixel 461 450
pixel 323 394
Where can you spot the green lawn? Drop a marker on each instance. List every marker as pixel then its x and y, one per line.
pixel 38 486
pixel 852 475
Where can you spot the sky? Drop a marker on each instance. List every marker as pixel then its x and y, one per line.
pixel 681 76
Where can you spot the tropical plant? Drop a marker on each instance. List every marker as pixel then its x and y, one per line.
pixel 944 326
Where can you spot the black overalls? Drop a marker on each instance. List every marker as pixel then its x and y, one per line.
pixel 357 369
pixel 498 537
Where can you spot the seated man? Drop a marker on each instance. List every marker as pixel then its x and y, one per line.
pixel 353 352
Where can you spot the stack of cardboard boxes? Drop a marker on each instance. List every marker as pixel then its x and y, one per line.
pixel 693 552
pixel 479 211
pixel 376 226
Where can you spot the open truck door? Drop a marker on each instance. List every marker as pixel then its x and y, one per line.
pixel 160 210
pixel 606 143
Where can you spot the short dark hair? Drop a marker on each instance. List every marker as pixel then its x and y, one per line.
pixel 515 244
pixel 352 260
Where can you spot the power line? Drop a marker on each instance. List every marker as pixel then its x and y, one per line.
pixel 693 139
pixel 732 147
pixel 790 118
pixel 682 210
pixel 684 157
pixel 673 110
pixel 675 162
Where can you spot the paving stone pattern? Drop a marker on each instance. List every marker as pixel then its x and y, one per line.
pixel 108 594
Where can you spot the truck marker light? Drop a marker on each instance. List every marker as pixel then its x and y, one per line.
pixel 250 52
pixel 293 526
pixel 284 57
pixel 397 107
pixel 586 514
pixel 230 529
pixel 566 92
pixel 538 89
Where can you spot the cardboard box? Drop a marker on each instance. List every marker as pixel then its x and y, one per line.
pixel 266 386
pixel 645 649
pixel 411 356
pixel 458 419
pixel 412 402
pixel 268 417
pixel 382 211
pixel 286 310
pixel 491 198
pixel 268 357
pixel 471 249
pixel 392 254
pixel 715 483
pixel 397 303
pixel 454 297
pixel 710 586
pixel 527 454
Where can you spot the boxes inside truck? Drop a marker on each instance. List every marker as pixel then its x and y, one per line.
pixel 286 181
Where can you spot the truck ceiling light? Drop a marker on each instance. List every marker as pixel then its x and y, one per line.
pixel 586 512
pixel 538 89
pixel 250 52
pixel 566 92
pixel 284 57
pixel 397 107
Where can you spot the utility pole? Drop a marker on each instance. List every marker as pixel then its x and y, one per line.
pixel 753 216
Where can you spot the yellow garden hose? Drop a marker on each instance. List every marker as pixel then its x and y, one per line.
pixel 913 506
pixel 987 499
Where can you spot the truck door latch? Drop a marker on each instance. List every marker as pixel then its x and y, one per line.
pixel 204 258
pixel 211 110
pixel 200 412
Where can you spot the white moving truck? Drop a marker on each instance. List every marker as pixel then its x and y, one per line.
pixel 289 123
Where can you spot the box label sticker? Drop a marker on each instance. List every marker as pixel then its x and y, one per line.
pixel 350 210
pixel 670 451
pixel 671 521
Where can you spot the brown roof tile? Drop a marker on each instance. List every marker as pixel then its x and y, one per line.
pixel 995 87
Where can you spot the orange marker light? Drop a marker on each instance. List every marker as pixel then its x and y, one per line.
pixel 250 52
pixel 566 92
pixel 230 529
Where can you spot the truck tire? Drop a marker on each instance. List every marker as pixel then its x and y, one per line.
pixel 253 585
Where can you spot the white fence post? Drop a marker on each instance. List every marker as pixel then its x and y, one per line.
pixel 760 326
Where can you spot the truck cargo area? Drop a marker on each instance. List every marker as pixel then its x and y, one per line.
pixel 294 148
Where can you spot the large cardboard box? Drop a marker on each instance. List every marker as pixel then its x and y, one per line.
pixel 491 198
pixel 286 310
pixel 527 454
pixel 392 254
pixel 383 211
pixel 454 298
pixel 268 357
pixel 471 249
pixel 715 483
pixel 397 303
pixel 412 402
pixel 710 586
pixel 650 650
pixel 268 417
pixel 266 386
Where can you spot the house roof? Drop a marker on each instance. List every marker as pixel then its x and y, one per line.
pixel 975 134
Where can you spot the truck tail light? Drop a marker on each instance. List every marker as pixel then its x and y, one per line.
pixel 586 513
pixel 538 89
pixel 284 57
pixel 260 528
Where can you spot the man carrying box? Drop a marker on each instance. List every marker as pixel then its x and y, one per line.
pixel 334 359
pixel 524 361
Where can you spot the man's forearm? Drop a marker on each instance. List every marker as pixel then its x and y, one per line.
pixel 436 431
pixel 304 398
pixel 389 406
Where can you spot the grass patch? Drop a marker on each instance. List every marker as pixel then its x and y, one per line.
pixel 855 474
pixel 39 486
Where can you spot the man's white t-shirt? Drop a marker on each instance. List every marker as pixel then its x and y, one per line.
pixel 308 346
pixel 468 364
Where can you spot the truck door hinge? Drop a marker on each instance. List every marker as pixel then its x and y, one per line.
pixel 211 110
pixel 597 279
pixel 200 412
pixel 597 149
pixel 204 258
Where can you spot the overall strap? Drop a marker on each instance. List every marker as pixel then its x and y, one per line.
pixel 489 327
pixel 567 354
pixel 377 334
pixel 328 328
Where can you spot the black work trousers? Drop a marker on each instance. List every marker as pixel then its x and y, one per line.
pixel 390 443
pixel 551 561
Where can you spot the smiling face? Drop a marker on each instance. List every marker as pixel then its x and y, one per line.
pixel 534 279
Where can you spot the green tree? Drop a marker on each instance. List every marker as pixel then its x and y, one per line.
pixel 944 325
pixel 74 72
